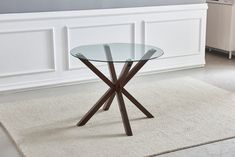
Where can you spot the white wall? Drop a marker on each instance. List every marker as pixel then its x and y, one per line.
pixel 34 48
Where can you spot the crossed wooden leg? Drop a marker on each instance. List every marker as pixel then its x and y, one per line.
pixel 117 88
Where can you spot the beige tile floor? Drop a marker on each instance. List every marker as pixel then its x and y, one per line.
pixel 219 71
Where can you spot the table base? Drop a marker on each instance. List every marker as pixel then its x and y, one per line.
pixel 117 89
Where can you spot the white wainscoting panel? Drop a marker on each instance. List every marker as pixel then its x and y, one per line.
pixel 34 47
pixel 96 34
pixel 25 52
pixel 177 37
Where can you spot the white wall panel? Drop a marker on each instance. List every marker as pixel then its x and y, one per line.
pixel 177 37
pixel 96 34
pixel 26 51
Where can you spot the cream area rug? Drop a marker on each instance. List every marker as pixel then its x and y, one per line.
pixel 187 112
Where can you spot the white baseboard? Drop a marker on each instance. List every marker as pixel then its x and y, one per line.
pixel 61 83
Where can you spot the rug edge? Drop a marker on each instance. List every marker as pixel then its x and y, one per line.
pixel 191 146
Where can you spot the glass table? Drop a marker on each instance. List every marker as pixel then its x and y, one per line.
pixel 116 53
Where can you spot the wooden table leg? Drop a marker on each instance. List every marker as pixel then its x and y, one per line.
pixel 96 107
pixel 138 66
pixel 124 115
pixel 112 74
pixel 121 103
pixel 137 104
pixel 108 102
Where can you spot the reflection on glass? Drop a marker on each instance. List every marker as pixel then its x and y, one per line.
pixel 118 52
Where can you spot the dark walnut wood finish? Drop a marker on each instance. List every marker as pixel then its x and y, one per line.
pixel 116 88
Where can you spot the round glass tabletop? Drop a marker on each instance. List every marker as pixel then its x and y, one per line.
pixel 116 52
